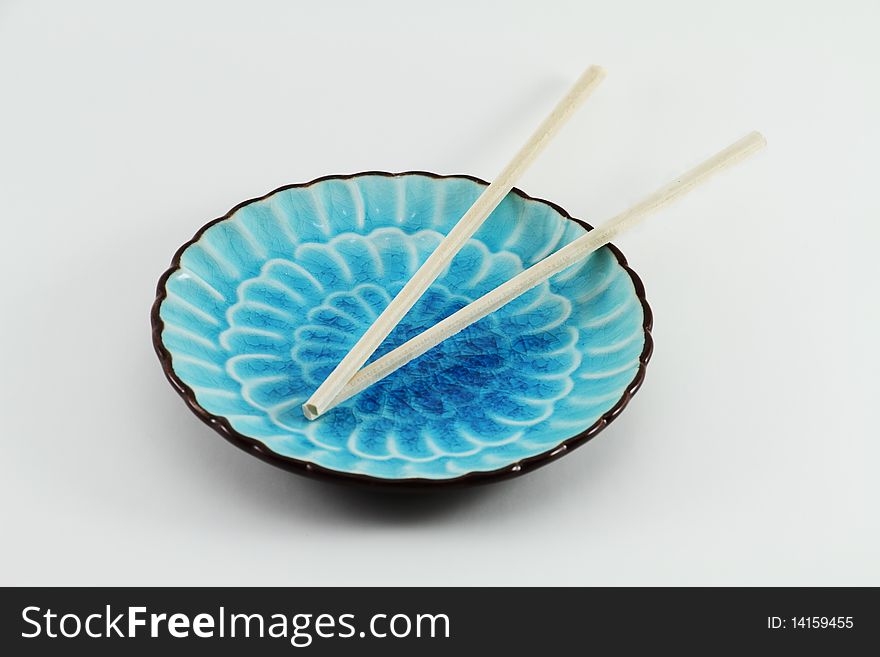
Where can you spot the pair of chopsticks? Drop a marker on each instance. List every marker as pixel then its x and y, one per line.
pixel 348 379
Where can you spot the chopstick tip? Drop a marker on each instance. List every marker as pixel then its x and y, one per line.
pixel 310 411
pixel 759 139
pixel 597 71
pixel 588 80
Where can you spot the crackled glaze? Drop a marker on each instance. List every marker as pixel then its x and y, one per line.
pixel 267 301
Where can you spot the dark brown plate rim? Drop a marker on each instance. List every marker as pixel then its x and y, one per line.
pixel 258 449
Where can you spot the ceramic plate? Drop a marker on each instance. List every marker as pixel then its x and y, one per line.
pixel 261 304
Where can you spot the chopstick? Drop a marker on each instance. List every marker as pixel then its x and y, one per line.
pixel 323 397
pixel 552 264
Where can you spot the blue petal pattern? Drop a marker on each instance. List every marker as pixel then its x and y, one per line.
pixel 266 302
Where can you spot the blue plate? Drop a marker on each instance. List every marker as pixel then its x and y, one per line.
pixel 261 304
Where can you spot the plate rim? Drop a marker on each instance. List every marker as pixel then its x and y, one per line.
pixel 260 450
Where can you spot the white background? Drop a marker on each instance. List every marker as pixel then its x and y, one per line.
pixel 751 454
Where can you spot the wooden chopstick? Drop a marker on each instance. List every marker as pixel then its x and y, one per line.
pixel 552 264
pixel 322 398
